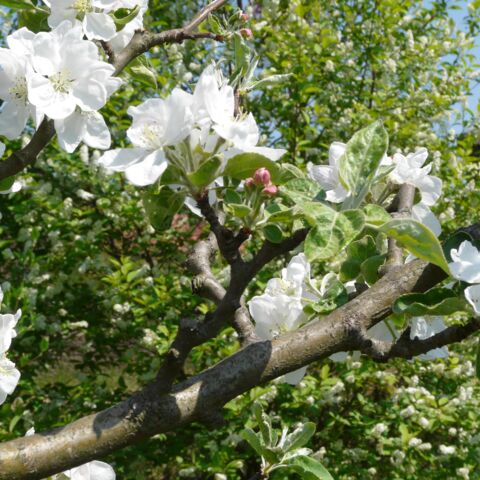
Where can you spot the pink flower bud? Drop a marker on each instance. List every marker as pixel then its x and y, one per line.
pixel 245 17
pixel 246 33
pixel 249 182
pixel 270 190
pixel 262 177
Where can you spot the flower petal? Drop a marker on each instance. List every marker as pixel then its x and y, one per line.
pixel 149 170
pixel 99 26
pixel 472 294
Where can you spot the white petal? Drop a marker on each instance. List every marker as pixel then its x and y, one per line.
pixel 423 214
pixel 70 131
pixel 2 151
pixel 47 58
pixel 272 154
pixel 294 378
pixel 382 331
pixel 21 41
pixel 424 328
pixel 92 471
pixel 13 118
pixel 472 294
pixel 418 158
pixel 325 175
pixel 431 188
pixel 7 331
pixel 243 134
pixel 97 134
pixel 120 159
pixel 298 270
pixel 466 263
pixel 99 26
pixel 337 149
pixel 9 376
pixel 337 195
pixel 90 95
pixel 149 170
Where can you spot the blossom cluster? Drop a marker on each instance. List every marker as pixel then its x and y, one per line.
pixel 9 375
pixel 186 130
pixel 409 169
pixel 59 75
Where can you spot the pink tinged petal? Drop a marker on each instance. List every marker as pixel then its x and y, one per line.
pixel 337 149
pixel 70 131
pixel 41 93
pixel 149 170
pixel 472 294
pixel 466 263
pixel 423 214
pixel 295 377
pixel 99 26
pixel 430 188
pixel 120 159
pixel 97 134
pixel 13 118
pixel 89 95
pixel 9 376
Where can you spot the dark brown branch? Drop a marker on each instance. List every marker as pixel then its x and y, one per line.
pixel 407 348
pixel 21 159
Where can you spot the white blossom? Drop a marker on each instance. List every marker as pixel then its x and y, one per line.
pixel 465 263
pixel 91 471
pixel 378 429
pixel 280 308
pixel 425 327
pixel 446 449
pixel 68 73
pixel 328 176
pixel 409 170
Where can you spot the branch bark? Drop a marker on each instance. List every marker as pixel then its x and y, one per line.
pixel 149 412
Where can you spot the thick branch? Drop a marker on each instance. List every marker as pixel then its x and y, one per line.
pixel 148 413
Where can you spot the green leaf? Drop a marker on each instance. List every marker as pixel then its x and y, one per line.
pixel 289 172
pixel 162 205
pixel 332 230
pixel 279 213
pixel 253 440
pixel 244 165
pixel 362 157
pixel 357 252
pixel 122 16
pixel 34 20
pixel 6 183
pixel 309 468
pixel 376 215
pixel 369 268
pixel 437 301
pixel 417 239
pixel 207 172
pixel 145 75
pixel 301 190
pixel 299 437
pixel 273 233
pixel 264 424
pixel 17 4
pixel 238 210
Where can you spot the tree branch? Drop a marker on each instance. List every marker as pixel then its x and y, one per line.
pixel 407 348
pixel 149 412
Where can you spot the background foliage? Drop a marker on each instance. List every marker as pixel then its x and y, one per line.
pixel 102 292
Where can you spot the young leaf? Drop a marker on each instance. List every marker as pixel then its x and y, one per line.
pixel 417 239
pixel 206 174
pixel 238 210
pixel 161 206
pixel 332 230
pixel 299 437
pixel 264 424
pixel 310 469
pixel 253 440
pixel 362 157
pixel 6 183
pixel 301 190
pixel 273 233
pixel 369 268
pixel 437 301
pixel 244 165
pixel 357 252
pixel 376 215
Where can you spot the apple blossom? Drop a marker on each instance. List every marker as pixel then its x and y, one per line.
pixel 123 37
pixel 409 170
pixel 422 213
pixel 9 377
pixel 327 176
pixel 96 23
pixel 280 308
pixel 91 471
pixel 68 73
pixel 425 327
pixel 7 327
pixel 472 294
pixel 465 263
pixel 157 124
